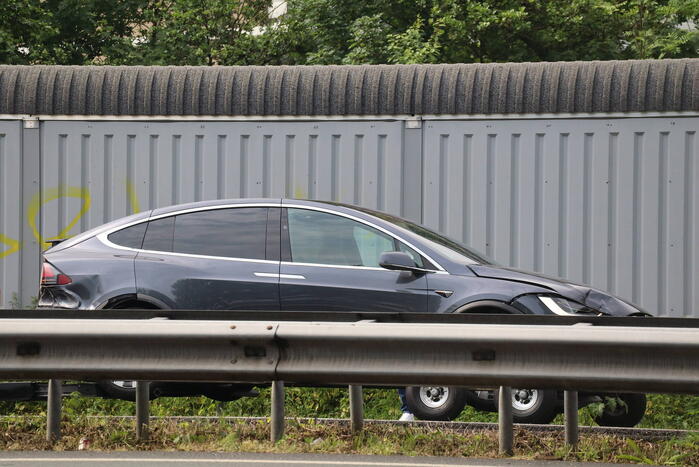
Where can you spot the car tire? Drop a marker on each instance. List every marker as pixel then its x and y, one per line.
pixel 537 406
pixel 625 414
pixel 439 403
pixel 124 390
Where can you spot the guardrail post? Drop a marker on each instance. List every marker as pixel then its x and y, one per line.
pixel 356 402
pixel 142 409
pixel 570 407
pixel 53 410
pixel 277 431
pixel 505 436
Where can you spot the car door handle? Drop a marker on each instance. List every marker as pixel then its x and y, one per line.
pixel 279 276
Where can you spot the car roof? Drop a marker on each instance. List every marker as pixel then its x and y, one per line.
pixel 335 206
pixel 214 203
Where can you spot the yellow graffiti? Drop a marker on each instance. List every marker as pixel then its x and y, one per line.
pixel 13 244
pixel 133 197
pixel 52 194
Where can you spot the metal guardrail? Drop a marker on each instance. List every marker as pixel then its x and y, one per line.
pixel 577 357
pixel 573 357
pixel 352 317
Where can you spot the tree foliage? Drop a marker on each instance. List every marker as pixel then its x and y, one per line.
pixel 209 32
pixel 454 31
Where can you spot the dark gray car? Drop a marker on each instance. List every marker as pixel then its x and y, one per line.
pixel 280 254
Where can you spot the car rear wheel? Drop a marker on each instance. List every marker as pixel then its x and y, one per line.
pixel 441 403
pixel 626 410
pixel 532 405
pixel 125 390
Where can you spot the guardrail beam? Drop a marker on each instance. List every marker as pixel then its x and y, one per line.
pixel 396 354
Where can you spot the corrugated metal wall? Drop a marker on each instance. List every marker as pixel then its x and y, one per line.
pixel 10 210
pixel 95 172
pixel 609 202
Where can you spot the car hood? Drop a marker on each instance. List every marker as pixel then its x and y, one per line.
pixel 589 296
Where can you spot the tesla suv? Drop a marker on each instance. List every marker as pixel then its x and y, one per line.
pixel 283 254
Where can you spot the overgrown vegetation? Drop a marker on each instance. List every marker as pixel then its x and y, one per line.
pixel 663 411
pixel 28 433
pixel 243 32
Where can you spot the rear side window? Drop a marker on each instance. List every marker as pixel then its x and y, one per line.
pixel 131 237
pixel 159 234
pixel 232 233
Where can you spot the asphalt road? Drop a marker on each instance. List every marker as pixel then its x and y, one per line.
pixel 163 459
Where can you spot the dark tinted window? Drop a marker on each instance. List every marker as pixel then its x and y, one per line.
pixel 131 237
pixel 159 234
pixel 233 233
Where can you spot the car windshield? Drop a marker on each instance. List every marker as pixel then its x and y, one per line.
pixel 452 249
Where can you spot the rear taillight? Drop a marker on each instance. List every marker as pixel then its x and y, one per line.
pixel 52 276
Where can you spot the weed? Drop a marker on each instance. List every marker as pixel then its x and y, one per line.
pixel 663 411
pixel 17 433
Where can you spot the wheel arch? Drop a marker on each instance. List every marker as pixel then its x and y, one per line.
pixel 488 307
pixel 133 300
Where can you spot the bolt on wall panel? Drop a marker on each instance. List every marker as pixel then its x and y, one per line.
pixel 612 203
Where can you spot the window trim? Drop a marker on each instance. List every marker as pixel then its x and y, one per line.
pixel 102 237
pixel 439 270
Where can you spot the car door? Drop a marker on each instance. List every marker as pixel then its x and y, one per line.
pixel 330 263
pixel 213 259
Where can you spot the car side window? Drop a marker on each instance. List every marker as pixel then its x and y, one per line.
pixel 131 237
pixel 231 233
pixel 323 238
pixel 417 257
pixel 159 234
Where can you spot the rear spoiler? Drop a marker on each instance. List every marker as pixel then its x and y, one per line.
pixel 55 241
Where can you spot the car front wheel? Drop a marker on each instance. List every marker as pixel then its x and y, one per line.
pixel 442 403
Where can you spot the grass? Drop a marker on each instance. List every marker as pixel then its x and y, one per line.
pixel 300 402
pixel 22 433
pixel 663 411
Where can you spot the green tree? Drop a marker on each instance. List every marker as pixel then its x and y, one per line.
pixel 24 26
pixel 368 40
pixel 87 31
pixel 228 32
pixel 452 31
pixel 201 32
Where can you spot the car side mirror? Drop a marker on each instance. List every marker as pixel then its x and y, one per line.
pixel 399 261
